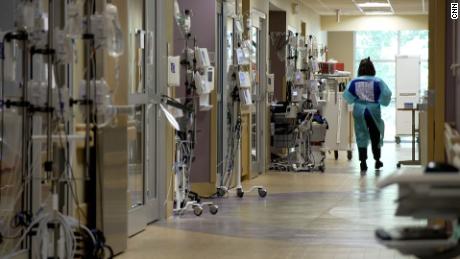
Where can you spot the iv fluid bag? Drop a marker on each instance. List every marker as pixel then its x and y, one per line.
pixel 26 15
pixel 11 56
pixel 63 47
pixel 114 41
pixel 183 21
pixel 74 22
pixel 177 13
pixel 102 98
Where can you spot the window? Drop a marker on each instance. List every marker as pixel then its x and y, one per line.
pixel 379 45
pixel 383 47
pixel 414 43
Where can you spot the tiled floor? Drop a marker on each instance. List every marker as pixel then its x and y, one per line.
pixel 305 215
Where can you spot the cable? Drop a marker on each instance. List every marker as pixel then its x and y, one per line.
pixel 68 224
pixel 72 181
pixel 2 123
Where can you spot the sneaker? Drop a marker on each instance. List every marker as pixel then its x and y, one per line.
pixel 363 166
pixel 378 164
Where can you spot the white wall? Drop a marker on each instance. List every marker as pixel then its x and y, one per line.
pixel 341 47
pixel 375 23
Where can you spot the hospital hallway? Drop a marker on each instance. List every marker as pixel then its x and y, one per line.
pixel 305 215
pixel 229 129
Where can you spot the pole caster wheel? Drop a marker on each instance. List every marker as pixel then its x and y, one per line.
pixel 321 168
pixel 398 140
pixel 262 192
pixel 213 209
pixel 220 192
pixel 398 165
pixel 197 210
pixel 349 155
pixel 336 154
pixel 239 193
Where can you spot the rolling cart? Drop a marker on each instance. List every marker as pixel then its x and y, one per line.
pixel 339 137
pixel 414 160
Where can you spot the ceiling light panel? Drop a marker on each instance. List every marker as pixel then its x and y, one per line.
pixel 374 7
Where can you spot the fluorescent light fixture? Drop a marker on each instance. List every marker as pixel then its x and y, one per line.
pixel 379 13
pixel 373 5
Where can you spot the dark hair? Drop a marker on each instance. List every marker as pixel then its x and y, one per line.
pixel 366 68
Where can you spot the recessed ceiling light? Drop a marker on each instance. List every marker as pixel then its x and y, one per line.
pixel 373 4
pixel 379 13
pixel 374 7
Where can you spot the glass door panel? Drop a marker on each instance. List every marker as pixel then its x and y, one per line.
pixel 136 158
pixel 138 98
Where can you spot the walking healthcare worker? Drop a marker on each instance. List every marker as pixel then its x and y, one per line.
pixel 367 93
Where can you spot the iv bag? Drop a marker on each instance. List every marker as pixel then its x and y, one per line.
pixel 63 47
pixel 11 56
pixel 32 19
pixel 114 41
pixel 177 13
pixel 26 16
pixel 102 99
pixel 74 21
pixel 183 21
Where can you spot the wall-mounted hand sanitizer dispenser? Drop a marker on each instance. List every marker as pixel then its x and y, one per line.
pixel 174 71
pixel 271 83
pixel 210 75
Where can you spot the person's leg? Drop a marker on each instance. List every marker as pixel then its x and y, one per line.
pixel 362 158
pixel 375 141
pixel 362 139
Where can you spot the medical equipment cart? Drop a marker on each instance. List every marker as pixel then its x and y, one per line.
pixel 340 135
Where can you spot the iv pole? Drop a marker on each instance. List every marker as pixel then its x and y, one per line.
pixel 186 199
pixel 237 111
pixel 236 123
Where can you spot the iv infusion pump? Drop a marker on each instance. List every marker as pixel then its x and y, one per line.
pixel 205 82
pixel 244 79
